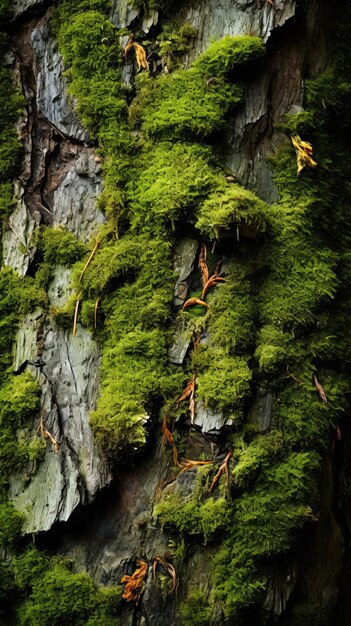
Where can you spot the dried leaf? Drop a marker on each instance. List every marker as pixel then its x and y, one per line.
pixel 134 584
pixel 167 437
pixel 192 301
pixel 168 567
pixel 140 56
pixel 129 46
pixel 304 152
pixel 203 265
pixel 47 435
pixel 223 469
pixel 189 392
pixel 320 390
pixel 188 464
pixel 212 282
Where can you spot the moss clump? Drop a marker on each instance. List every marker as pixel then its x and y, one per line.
pixel 19 401
pixel 175 41
pixel 196 100
pixel 11 102
pixel 199 514
pixel 231 206
pixel 194 610
pixel 60 246
pixel 17 297
pixel 70 598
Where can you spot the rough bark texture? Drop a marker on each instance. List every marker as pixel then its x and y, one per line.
pixel 59 184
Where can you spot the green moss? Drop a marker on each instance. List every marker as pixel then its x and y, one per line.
pixel 231 207
pixel 197 514
pixel 198 99
pixel 12 103
pixel 175 40
pixel 70 598
pixel 194 610
pixel 60 246
pixel 19 401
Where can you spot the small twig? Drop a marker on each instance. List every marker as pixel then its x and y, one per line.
pixel 76 316
pixel 97 243
pixel 98 301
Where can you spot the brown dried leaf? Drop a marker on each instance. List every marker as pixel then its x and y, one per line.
pixel 203 265
pixel 212 282
pixel 188 464
pixel 320 390
pixel 167 437
pixel 134 584
pixel 168 567
pixel 223 469
pixel 192 301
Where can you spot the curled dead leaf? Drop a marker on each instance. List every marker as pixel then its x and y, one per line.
pixel 192 301
pixel 168 567
pixel 134 584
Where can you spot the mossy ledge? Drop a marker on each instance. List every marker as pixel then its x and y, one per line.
pixel 286 292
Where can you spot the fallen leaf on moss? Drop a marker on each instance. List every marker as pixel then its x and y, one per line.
pixel 134 584
pixel 304 152
pixel 168 567
pixel 223 469
pixel 192 301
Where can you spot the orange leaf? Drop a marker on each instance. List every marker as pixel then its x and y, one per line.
pixel 187 464
pixel 223 469
pixel 134 584
pixel 203 265
pixel 192 301
pixel 212 282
